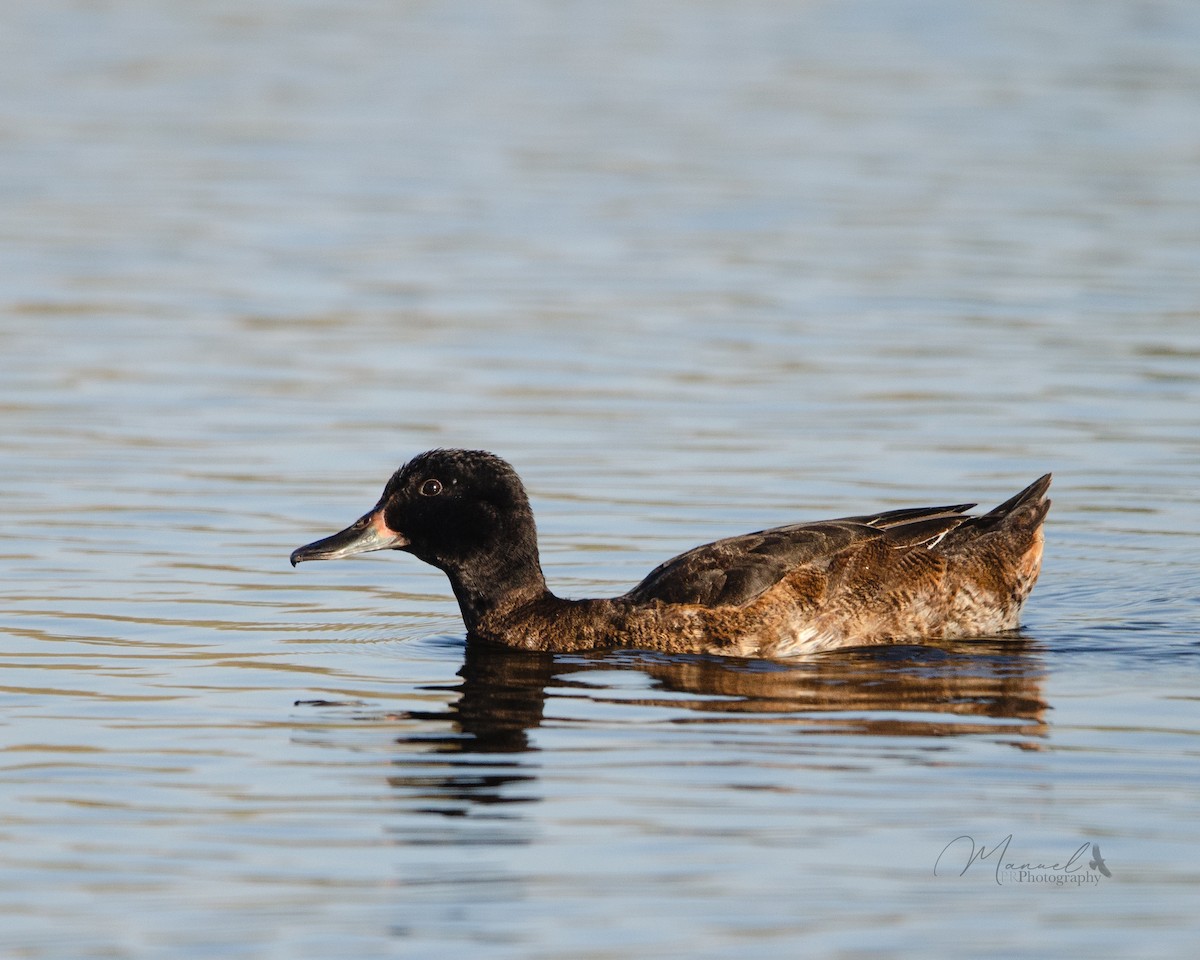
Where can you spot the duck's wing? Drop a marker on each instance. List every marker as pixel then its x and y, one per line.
pixel 734 571
pixel 913 526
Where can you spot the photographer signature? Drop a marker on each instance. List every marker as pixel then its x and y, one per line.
pixel 965 847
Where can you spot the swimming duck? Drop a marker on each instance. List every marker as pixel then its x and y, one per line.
pixel 876 578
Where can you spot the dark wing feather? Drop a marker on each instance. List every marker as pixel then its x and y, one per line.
pixel 734 571
pixel 914 526
pixel 893 518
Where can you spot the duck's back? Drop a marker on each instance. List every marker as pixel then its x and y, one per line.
pixel 914 572
pixel 733 571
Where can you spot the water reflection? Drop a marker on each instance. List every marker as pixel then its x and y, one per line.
pixel 991 687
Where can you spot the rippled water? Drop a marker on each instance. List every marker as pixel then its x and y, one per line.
pixel 695 269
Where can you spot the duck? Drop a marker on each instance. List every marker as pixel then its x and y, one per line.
pixel 895 576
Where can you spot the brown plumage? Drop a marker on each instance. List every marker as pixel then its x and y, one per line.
pixel 876 578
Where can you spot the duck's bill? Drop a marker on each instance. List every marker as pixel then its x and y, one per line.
pixel 367 533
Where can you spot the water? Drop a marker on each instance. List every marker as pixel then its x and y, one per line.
pixel 695 269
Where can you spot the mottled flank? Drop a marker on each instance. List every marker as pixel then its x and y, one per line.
pixel 877 578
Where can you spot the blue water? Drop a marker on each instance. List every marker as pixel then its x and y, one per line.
pixel 695 269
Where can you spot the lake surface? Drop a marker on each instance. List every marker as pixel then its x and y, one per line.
pixel 695 269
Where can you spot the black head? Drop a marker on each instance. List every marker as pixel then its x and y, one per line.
pixel 456 506
pixel 463 511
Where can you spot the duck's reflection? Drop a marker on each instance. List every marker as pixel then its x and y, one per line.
pixel 990 687
pixel 965 688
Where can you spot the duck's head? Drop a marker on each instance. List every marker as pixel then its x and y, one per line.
pixel 463 511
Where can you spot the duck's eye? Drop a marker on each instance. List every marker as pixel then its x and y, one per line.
pixel 431 487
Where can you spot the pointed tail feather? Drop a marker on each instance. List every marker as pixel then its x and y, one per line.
pixel 1032 497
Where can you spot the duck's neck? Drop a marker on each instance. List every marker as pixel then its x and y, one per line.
pixel 497 582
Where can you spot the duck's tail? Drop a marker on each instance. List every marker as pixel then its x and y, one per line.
pixel 1014 532
pixel 1027 509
